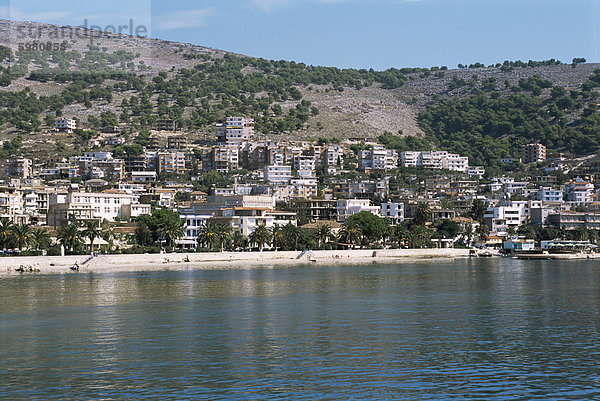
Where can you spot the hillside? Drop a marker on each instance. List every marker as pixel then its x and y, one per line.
pixel 132 82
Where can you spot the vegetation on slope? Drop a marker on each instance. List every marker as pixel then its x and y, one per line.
pixel 487 126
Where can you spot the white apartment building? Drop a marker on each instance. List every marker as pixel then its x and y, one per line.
pixel 347 207
pixel 500 218
pixel 435 160
pixel 235 130
pixel 304 163
pixel 393 211
pixel 549 194
pixel 65 124
pixel 305 188
pixel 378 158
pixel 476 171
pixel 579 192
pixel 277 173
pixel 90 206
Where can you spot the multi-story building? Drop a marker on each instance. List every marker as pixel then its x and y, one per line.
pixel 278 173
pixel 171 162
pixel 393 211
pixel 177 142
pixel 235 130
pixel 65 125
pixel 569 220
pixel 221 159
pixel 377 158
pixel 364 189
pixel 476 171
pixel 89 206
pixel 533 153
pixel 347 207
pixel 435 160
pixel 579 192
pixel 304 187
pixel 314 209
pixel 549 194
pixel 15 167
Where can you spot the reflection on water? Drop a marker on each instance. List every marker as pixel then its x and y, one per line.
pixel 470 329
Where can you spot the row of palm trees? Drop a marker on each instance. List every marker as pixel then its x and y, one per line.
pixel 27 237
pixel 221 236
pixel 22 236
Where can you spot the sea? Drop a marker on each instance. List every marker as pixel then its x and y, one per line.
pixel 464 329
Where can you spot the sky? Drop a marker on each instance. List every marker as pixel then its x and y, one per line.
pixel 375 34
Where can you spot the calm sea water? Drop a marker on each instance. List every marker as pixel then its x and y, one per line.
pixel 469 329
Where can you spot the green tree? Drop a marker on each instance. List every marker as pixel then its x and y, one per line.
pixel 277 237
pixel 323 234
pixel 350 234
pixel 291 235
pixel 21 234
pixel 143 235
pixel 419 237
pixel 260 236
pixel 5 232
pixel 478 209
pixel 69 236
pixel 91 230
pixel 447 228
pixel 40 239
pixel 422 214
pixel 223 232
pixel 238 240
pixel 372 227
pixel 171 230
pixel 208 236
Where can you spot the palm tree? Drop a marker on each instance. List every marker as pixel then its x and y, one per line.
pixel 170 231
pixel 422 214
pixel 277 236
pixel 223 232
pixel 323 234
pixel 291 235
pixel 91 231
pixel 483 232
pixel 5 232
pixel 260 236
pixel 40 239
pixel 69 236
pixel 350 234
pixel 467 234
pixel 208 235
pixel 238 240
pixel 21 234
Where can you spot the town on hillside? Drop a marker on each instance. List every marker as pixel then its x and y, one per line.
pixel 163 193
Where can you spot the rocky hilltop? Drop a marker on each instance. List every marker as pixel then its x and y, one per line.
pixel 115 79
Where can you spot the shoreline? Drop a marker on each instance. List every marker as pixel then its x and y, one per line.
pixel 218 260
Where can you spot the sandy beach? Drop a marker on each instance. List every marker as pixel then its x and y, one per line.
pixel 218 260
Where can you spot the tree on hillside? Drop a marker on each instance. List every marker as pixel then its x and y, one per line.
pixel 478 209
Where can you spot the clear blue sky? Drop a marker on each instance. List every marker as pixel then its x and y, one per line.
pixel 352 33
